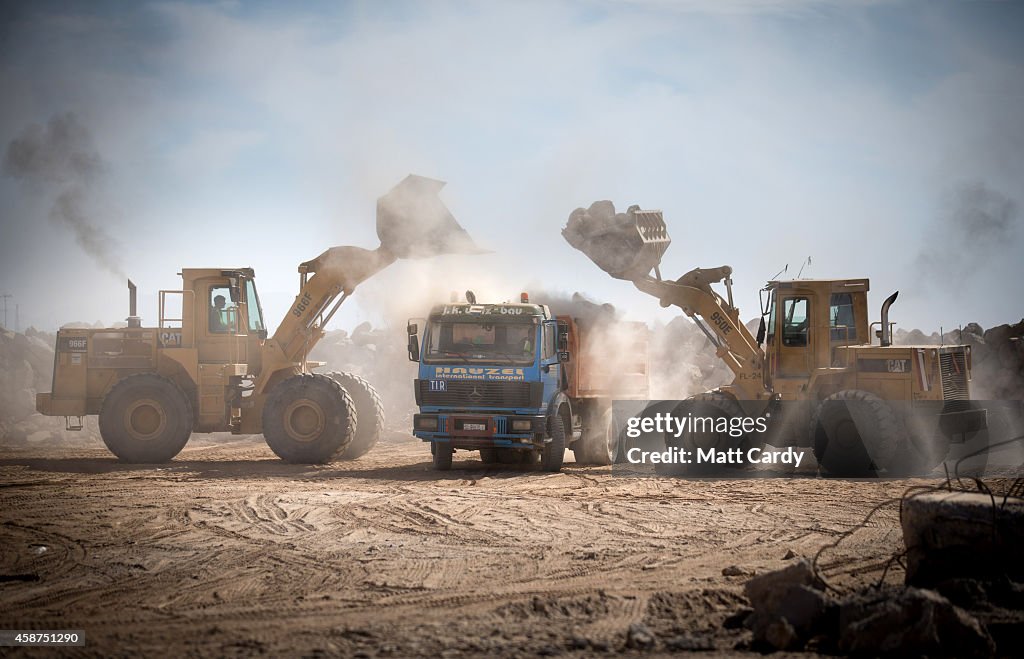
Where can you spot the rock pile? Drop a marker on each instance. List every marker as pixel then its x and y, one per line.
pixel 792 612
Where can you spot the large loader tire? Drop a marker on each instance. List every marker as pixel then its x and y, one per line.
pixel 599 444
pixel 923 448
pixel 146 418
pixel 554 451
pixel 369 412
pixel 309 419
pixel 856 433
pixel 713 404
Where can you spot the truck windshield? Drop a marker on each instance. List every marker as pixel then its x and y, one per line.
pixel 511 343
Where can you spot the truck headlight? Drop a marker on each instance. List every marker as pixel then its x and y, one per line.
pixel 522 425
pixel 426 423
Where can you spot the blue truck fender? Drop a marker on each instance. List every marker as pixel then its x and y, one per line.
pixel 561 404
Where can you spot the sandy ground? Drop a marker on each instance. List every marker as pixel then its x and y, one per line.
pixel 229 551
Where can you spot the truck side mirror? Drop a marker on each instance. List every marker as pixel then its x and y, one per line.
pixel 262 334
pixel 412 329
pixel 563 336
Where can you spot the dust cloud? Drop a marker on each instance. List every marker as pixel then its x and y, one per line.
pixel 61 162
pixel 978 223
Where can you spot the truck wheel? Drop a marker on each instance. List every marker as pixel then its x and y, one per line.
pixel 489 456
pixel 369 412
pixel 309 419
pixel 146 418
pixel 599 444
pixel 554 451
pixel 442 454
pixel 855 434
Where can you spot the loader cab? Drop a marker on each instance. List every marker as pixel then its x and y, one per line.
pixel 807 321
pixel 220 314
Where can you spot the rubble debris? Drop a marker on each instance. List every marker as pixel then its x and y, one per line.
pixel 792 612
pixel 789 606
pixel 613 240
pixel 915 622
pixel 640 637
pixel 962 534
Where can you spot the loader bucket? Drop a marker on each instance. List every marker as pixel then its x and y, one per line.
pixel 413 222
pixel 625 245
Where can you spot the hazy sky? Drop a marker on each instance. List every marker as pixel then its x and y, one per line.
pixel 883 139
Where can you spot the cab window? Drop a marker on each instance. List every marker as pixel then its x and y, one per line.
pixel 255 312
pixel 840 315
pixel 549 341
pixel 794 321
pixel 221 311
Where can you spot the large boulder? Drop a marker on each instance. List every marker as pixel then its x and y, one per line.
pixel 790 606
pixel 916 622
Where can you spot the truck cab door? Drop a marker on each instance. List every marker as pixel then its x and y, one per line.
pixel 551 369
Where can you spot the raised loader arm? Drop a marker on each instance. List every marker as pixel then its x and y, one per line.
pixel 717 318
pixel 412 222
pixel 629 245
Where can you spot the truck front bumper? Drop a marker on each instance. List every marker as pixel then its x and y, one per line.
pixel 475 431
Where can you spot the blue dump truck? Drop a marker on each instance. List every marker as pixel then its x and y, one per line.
pixel 520 385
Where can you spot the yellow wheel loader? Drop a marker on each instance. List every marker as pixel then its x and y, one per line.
pixel 865 408
pixel 209 365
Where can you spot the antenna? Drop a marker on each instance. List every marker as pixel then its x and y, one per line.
pixel 806 263
pixel 785 269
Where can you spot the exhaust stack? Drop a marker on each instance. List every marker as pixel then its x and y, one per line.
pixel 885 335
pixel 133 318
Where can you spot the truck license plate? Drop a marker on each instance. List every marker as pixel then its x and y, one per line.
pixel 474 426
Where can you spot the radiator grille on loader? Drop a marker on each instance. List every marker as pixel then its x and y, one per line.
pixel 953 368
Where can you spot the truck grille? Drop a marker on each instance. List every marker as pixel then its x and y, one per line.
pixel 953 369
pixel 474 393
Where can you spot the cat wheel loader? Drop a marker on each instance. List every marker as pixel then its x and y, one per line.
pixel 210 366
pixel 813 369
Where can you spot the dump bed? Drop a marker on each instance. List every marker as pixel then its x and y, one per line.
pixel 607 359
